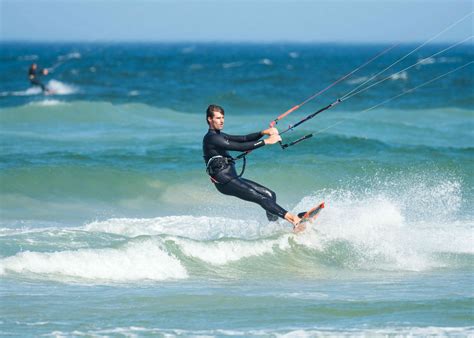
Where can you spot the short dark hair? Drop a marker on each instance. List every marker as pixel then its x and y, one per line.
pixel 213 108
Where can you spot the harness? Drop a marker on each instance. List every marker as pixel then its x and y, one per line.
pixel 222 163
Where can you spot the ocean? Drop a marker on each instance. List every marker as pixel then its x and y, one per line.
pixel 109 225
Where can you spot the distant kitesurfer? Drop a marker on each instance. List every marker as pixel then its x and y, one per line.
pixel 34 73
pixel 221 166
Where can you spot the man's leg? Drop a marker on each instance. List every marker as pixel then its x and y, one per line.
pixel 243 190
pixel 39 84
pixel 264 191
pixel 253 192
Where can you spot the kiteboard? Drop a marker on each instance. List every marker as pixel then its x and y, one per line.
pixel 308 217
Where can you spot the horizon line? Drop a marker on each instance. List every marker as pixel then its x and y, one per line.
pixel 236 42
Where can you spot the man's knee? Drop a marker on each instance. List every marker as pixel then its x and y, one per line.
pixel 269 193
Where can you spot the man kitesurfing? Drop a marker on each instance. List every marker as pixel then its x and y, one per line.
pixel 33 75
pixel 221 166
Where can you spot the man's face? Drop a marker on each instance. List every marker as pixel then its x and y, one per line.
pixel 217 121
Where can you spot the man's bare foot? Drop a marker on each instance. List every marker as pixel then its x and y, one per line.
pixel 295 220
pixel 299 227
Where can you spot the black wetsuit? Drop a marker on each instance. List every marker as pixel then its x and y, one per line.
pixel 222 170
pixel 33 75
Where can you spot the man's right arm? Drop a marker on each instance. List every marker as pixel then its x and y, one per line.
pixel 225 143
pixel 253 136
pixel 244 138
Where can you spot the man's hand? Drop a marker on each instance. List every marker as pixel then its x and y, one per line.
pixel 270 131
pixel 272 139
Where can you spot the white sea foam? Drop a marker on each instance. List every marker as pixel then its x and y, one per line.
pixel 232 64
pixel 294 55
pixel 399 76
pixel 28 92
pixel 266 62
pixel 59 88
pixel 426 61
pixel 16 231
pixel 383 332
pixel 373 227
pixel 135 261
pixel 197 228
pixel 431 60
pixel 389 229
pixel 447 59
pixel 70 56
pixel 48 103
pixel 357 80
pixel 403 331
pixel 223 252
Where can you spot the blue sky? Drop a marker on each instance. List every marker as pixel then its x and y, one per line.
pixel 234 20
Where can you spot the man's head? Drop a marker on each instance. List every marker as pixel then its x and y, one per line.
pixel 34 66
pixel 215 117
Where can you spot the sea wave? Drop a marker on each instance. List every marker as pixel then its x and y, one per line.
pixel 416 229
pixel 130 114
pixel 393 330
pixel 83 118
pixel 140 260
pixel 90 110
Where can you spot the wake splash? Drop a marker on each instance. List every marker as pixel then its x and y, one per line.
pixel 57 88
pixel 414 227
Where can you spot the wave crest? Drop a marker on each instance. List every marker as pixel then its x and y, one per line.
pixel 135 261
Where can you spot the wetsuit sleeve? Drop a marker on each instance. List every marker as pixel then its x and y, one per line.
pixel 244 138
pixel 225 143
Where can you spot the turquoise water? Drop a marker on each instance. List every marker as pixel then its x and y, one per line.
pixel 109 225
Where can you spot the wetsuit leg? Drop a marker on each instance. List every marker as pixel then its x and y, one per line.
pixel 264 191
pixel 37 83
pixel 247 190
pixel 271 217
